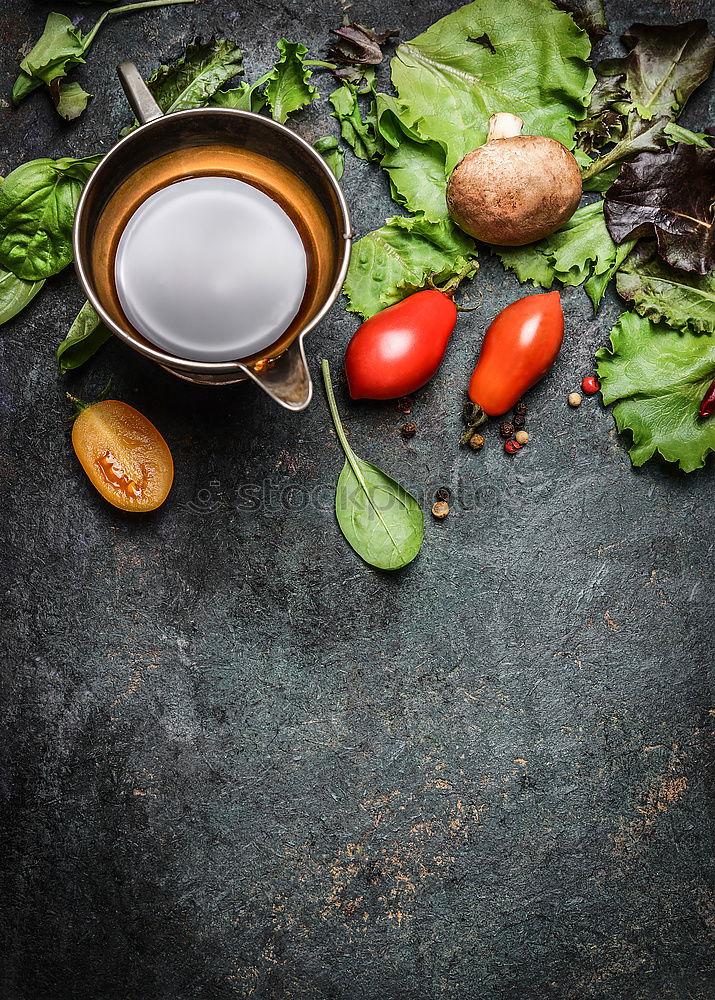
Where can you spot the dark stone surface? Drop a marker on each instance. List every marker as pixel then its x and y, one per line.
pixel 238 762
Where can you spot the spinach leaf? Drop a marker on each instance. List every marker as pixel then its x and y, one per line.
pixel 192 81
pixel 683 300
pixel 391 262
pixel 15 294
pixel 379 518
pixel 672 194
pixel 37 206
pixel 288 88
pixel 61 46
pixel 657 378
pixel 333 154
pixel 70 99
pixel 84 338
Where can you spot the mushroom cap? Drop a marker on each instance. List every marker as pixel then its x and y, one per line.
pixel 513 191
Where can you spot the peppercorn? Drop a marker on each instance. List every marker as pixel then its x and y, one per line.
pixel 506 429
pixel 476 442
pixel 440 509
pixel 590 385
pixel 511 447
pixel 405 404
pixel 521 409
pixel 409 430
pixel 519 420
pixel 575 399
pixel 521 437
pixel 442 493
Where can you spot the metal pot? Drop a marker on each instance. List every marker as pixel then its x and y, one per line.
pixel 281 369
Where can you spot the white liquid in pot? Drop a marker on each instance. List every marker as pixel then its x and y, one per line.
pixel 210 269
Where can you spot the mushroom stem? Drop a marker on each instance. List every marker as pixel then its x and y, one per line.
pixel 504 125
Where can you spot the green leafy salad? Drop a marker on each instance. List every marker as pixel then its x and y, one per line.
pixel 646 224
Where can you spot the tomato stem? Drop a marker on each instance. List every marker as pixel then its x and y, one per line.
pixel 80 404
pixel 454 282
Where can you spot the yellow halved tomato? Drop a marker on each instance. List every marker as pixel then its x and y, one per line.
pixel 124 455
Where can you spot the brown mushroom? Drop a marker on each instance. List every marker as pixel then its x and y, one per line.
pixel 515 188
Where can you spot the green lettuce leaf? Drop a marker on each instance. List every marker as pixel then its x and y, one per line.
pixel 582 249
pixel 597 284
pixel 682 299
pixel 676 133
pixel 360 133
pixel 333 154
pixel 288 88
pixel 193 80
pixel 391 262
pixel 415 166
pixel 477 61
pixel 657 378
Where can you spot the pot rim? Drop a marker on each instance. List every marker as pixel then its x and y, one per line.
pixel 154 353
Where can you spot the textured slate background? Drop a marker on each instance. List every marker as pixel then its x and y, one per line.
pixel 238 762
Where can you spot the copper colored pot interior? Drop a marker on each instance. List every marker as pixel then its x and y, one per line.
pixel 281 184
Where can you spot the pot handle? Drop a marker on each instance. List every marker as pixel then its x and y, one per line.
pixel 138 94
pixel 287 380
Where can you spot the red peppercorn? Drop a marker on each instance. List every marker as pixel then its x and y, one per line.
pixel 511 447
pixel 707 405
pixel 590 385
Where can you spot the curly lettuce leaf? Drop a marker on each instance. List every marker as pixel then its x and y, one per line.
pixel 244 97
pixel 288 86
pixel 683 300
pixel 359 131
pixel 391 262
pixel 582 249
pixel 657 378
